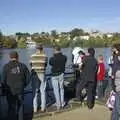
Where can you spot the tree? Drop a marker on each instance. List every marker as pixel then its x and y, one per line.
pixel 6 42
pixel 76 32
pixel 54 34
pixel 21 43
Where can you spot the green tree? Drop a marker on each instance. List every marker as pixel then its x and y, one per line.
pixel 21 43
pixel 76 32
pixel 54 34
pixel 1 39
pixel 6 42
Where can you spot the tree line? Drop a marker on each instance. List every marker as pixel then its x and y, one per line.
pixel 63 39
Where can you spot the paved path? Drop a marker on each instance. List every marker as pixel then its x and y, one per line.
pixel 99 112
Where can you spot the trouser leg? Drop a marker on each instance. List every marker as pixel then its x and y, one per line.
pixel 61 81
pixel 20 107
pixel 11 100
pixel 91 94
pixel 80 86
pixel 55 85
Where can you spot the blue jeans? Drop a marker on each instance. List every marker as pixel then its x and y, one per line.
pixel 39 83
pixel 100 89
pixel 116 110
pixel 58 88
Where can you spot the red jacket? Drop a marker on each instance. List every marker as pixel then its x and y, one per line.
pixel 101 71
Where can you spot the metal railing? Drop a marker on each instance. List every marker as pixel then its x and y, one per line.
pixel 30 90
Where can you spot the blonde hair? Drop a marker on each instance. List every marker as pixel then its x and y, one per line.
pixel 100 57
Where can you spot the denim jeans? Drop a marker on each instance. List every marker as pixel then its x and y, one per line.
pixel 100 89
pixel 39 83
pixel 116 110
pixel 58 88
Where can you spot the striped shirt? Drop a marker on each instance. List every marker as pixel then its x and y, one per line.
pixel 38 61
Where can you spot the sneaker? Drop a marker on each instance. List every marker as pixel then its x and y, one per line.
pixel 58 108
pixel 34 110
pixel 63 105
pixel 85 98
pixel 96 97
pixel 42 111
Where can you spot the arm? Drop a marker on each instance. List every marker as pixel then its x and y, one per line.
pixel 65 59
pixel 30 61
pixel 46 61
pixel 51 61
pixel 98 69
pixel 4 75
pixel 27 75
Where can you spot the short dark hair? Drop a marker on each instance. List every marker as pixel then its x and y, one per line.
pixel 81 52
pixel 117 46
pixel 91 51
pixel 13 54
pixel 39 46
pixel 57 48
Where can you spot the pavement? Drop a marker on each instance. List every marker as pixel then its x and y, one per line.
pixel 100 112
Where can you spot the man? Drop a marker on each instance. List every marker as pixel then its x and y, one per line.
pixel 15 77
pixel 38 63
pixel 58 62
pixel 88 77
pixel 116 82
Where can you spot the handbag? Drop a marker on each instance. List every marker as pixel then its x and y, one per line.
pixel 111 100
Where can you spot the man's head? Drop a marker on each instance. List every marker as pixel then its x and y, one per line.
pixel 40 47
pixel 57 49
pixel 91 51
pixel 116 49
pixel 13 55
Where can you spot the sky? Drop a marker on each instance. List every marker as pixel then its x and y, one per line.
pixel 63 15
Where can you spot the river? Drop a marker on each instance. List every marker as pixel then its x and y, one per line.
pixel 24 56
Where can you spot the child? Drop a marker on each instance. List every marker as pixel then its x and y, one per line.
pixel 100 77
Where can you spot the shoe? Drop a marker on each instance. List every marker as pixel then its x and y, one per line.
pixel 85 98
pixel 35 110
pixel 43 110
pixel 96 97
pixel 58 108
pixel 63 105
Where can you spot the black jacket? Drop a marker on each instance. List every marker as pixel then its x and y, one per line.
pixel 15 76
pixel 58 62
pixel 89 69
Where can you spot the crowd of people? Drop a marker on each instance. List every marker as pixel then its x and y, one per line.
pixel 90 74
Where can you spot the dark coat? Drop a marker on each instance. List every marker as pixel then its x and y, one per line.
pixel 89 69
pixel 15 76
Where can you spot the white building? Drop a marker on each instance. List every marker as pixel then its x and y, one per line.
pixel 85 37
pixel 109 35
